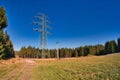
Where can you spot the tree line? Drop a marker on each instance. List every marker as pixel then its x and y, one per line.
pixel 99 49
pixel 6 46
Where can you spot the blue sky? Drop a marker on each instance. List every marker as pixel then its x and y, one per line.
pixel 74 22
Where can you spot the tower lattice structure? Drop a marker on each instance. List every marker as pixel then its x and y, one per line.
pixel 42 22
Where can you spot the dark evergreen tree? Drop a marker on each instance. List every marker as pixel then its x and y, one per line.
pixel 62 52
pixel 67 54
pixel 100 49
pixel 107 47
pixel 70 52
pixel 81 51
pixel 9 45
pixel 118 44
pixel 92 50
pixel 86 51
pixel 113 46
pixel 73 53
pixel 53 53
pixel 6 47
pixel 3 18
pixel 2 51
pixel 76 52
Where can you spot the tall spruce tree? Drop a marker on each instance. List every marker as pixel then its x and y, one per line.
pixel 110 47
pixel 113 46
pixel 86 51
pixel 6 47
pixel 76 52
pixel 107 47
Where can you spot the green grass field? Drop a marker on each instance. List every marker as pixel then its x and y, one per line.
pixel 84 68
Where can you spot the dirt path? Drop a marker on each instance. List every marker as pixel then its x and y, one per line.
pixel 28 67
pixel 23 72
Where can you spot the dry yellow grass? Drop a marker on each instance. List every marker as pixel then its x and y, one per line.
pixel 84 68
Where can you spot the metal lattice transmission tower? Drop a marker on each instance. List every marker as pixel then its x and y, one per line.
pixel 42 22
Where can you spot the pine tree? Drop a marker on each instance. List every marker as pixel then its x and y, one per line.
pixel 6 47
pixel 107 47
pixel 3 18
pixel 100 49
pixel 2 51
pixel 76 52
pixel 118 44
pixel 113 46
pixel 81 51
pixel 9 45
pixel 86 51
pixel 66 52
pixel 3 24
pixel 92 50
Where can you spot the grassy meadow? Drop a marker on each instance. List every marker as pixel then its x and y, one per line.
pixel 83 68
